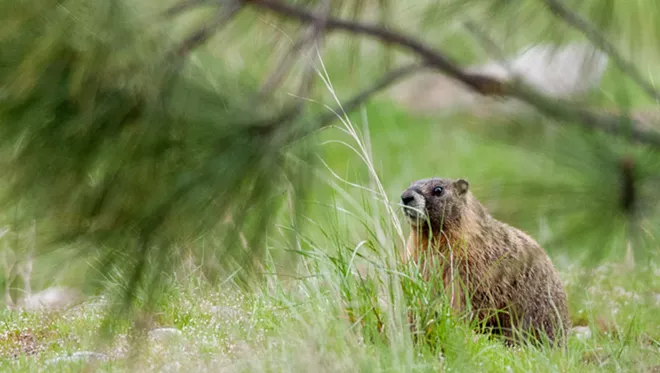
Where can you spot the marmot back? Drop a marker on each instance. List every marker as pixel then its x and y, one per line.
pixel 509 279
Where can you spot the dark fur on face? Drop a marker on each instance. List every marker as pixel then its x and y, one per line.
pixel 435 203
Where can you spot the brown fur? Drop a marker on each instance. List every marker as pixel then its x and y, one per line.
pixel 502 269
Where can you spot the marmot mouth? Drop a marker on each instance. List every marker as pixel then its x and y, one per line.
pixel 413 215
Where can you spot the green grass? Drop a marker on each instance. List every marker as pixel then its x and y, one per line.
pixel 301 327
pixel 319 316
pixel 304 323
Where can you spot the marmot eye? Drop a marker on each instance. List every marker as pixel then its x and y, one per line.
pixel 437 191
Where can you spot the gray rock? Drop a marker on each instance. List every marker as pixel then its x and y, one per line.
pixel 50 299
pixel 567 72
pixel 581 332
pixel 79 356
pixel 165 333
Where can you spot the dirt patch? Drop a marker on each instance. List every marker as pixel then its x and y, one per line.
pixel 26 342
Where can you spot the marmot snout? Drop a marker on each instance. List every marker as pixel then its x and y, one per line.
pixel 435 202
pixel 502 272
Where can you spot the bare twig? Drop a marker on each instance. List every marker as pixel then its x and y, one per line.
pixel 184 6
pixel 306 85
pixel 310 38
pixel 285 63
pixel 487 43
pixel 305 88
pixel 200 36
pixel 382 83
pixel 323 120
pixel 480 83
pixel 591 33
pixel 614 124
pixel 8 265
pixel 267 126
pixel 558 109
pixel 25 269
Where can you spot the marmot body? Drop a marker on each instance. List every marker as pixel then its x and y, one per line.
pixel 511 283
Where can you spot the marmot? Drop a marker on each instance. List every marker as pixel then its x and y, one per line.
pixel 512 286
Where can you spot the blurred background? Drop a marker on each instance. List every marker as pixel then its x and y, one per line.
pixel 148 146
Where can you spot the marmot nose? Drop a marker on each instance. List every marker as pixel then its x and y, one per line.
pixel 407 197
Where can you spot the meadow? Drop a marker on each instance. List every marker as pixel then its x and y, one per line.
pixel 317 314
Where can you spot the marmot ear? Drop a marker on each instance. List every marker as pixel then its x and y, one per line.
pixel 462 186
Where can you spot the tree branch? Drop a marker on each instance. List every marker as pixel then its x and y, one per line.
pixel 385 81
pixel 615 124
pixel 489 46
pixel 555 108
pixel 184 6
pixel 200 36
pixel 266 127
pixel 482 84
pixel 571 18
pixel 308 38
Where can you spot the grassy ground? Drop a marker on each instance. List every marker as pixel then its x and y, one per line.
pixel 302 326
pixel 302 323
pixel 322 317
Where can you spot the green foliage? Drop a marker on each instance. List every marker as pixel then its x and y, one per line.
pixel 594 193
pixel 132 154
pixel 116 145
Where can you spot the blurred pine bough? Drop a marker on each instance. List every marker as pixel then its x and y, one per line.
pixel 114 142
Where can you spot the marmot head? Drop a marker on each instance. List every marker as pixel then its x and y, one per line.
pixel 436 201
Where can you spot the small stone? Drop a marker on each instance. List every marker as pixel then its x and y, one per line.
pixel 51 299
pixel 226 312
pixel 79 356
pixel 582 332
pixel 160 333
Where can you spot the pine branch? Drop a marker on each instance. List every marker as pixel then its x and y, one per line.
pixel 200 36
pixel 591 33
pixel 185 6
pixel 385 81
pixel 557 109
pixel 324 120
pixel 309 37
pixel 482 84
pixel 609 123
pixel 488 44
